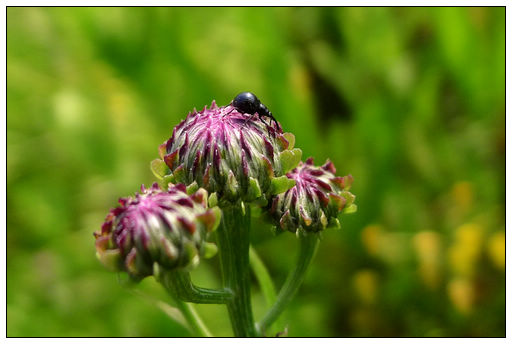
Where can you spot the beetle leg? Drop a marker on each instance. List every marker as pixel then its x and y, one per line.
pixel 261 119
pixel 277 124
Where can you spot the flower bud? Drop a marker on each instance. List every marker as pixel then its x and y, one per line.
pixel 235 156
pixel 315 201
pixel 164 227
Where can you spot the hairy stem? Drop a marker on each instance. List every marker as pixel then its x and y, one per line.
pixel 233 241
pixel 182 286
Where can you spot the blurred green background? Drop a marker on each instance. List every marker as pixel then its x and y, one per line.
pixel 410 101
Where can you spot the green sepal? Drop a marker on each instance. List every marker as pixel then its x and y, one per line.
pixel 179 174
pixel 159 168
pixel 162 150
pixel 218 217
pixel 254 190
pixel 111 259
pixel 211 218
pixel 164 183
pixel 348 196
pixel 350 209
pixel 336 203
pixel 334 223
pixel 286 221
pixel 301 232
pixel 200 196
pixel 323 219
pixel 347 182
pixel 281 184
pixel 213 199
pixel 305 217
pixel 192 188
pixel 267 166
pixel 291 139
pixel 232 185
pixel 190 256
pixel 210 250
pixel 290 159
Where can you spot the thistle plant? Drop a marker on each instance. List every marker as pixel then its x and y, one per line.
pixel 218 164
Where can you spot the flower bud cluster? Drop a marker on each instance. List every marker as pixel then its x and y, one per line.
pixel 168 228
pixel 315 201
pixel 218 156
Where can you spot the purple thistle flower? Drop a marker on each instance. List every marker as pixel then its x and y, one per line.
pixel 316 199
pixel 164 227
pixel 235 156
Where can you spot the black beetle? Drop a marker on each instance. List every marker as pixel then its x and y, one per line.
pixel 247 102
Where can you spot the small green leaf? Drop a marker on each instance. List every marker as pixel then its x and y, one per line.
pixel 286 222
pixel 210 250
pixel 111 259
pixel 334 223
pixel 254 190
pixel 190 255
pixel 192 188
pixel 164 183
pixel 348 196
pixel 290 159
pixel 301 232
pixel 218 217
pixel 291 140
pixel 179 174
pixel 159 168
pixel 213 200
pixel 210 218
pixel 281 184
pixel 162 150
pixel 232 185
pixel 323 219
pixel 350 209
pixel 242 207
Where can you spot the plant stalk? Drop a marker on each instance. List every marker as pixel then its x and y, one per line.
pixel 233 242
pixel 182 287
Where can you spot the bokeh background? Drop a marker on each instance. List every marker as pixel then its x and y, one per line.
pixel 410 101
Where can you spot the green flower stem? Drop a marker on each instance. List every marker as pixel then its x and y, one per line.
pixel 182 286
pixel 233 241
pixel 188 311
pixel 307 248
